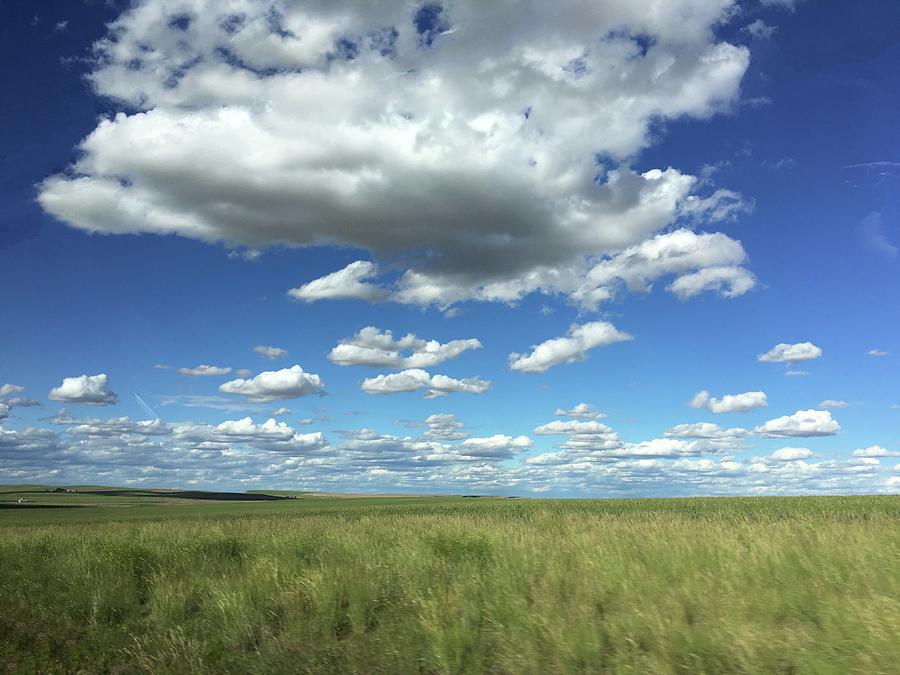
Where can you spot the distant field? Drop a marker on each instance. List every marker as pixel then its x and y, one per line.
pixel 123 581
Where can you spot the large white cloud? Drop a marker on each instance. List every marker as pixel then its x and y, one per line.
pixel 275 385
pixel 745 402
pixel 372 347
pixel 803 423
pixel 574 347
pixel 414 379
pixel 467 144
pixel 791 353
pixel 90 389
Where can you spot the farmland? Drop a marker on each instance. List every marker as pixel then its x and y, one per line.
pixel 107 580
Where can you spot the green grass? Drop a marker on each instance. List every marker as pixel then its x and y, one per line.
pixel 453 585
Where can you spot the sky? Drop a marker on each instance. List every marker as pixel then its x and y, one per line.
pixel 560 249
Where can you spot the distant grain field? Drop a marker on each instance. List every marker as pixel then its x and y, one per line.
pixel 451 585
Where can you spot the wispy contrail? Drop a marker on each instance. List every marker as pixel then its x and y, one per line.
pixel 147 407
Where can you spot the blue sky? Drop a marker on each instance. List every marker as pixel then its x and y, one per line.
pixel 612 206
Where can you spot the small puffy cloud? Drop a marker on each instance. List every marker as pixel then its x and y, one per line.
pixel 584 411
pixel 161 366
pixel 803 423
pixel 730 282
pixel 414 379
pixel 878 352
pixel 7 390
pixel 581 339
pixel 875 451
pixel 745 402
pixel 204 370
pixel 270 352
pixel 791 454
pixel 375 348
pixel 274 385
pixel 279 412
pixel 497 446
pixel 832 404
pixel 572 427
pixel 445 427
pixel 791 353
pixel 704 430
pixel 796 373
pixel 348 282
pixel 89 389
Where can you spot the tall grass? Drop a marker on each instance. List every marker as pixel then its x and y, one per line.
pixel 659 586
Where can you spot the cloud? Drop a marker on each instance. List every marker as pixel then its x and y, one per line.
pixel 275 385
pixel 204 371
pixel 704 430
pixel 90 389
pixel 414 379
pixel 4 411
pixel 583 411
pixel 791 353
pixel 802 424
pixel 278 412
pixel 832 404
pixel 270 352
pixel 877 352
pixel 496 446
pixel 873 235
pixel 791 454
pixel 581 339
pixel 875 451
pixel 760 30
pixel 7 390
pixel 161 366
pixel 372 347
pixel 749 400
pixel 445 427
pixel 795 373
pixel 348 282
pixel 336 124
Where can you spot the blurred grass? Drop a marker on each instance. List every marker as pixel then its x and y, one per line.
pixel 449 585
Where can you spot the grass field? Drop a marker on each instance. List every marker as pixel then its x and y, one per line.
pixel 160 582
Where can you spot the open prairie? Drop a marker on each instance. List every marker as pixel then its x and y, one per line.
pixel 158 581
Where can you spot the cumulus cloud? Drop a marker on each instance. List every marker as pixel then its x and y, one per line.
pixel 274 385
pixel 471 159
pixel 832 404
pixel 90 389
pixel 348 282
pixel 375 348
pixel 749 400
pixel 803 423
pixel 704 430
pixel 875 451
pixel 791 353
pixel 279 412
pixel 204 370
pixel 270 352
pixel 445 427
pixel 791 454
pixel 414 379
pixel 760 30
pixel 581 339
pixel 7 390
pixel 497 446
pixel 583 411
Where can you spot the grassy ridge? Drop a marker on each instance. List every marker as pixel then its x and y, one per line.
pixel 405 585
